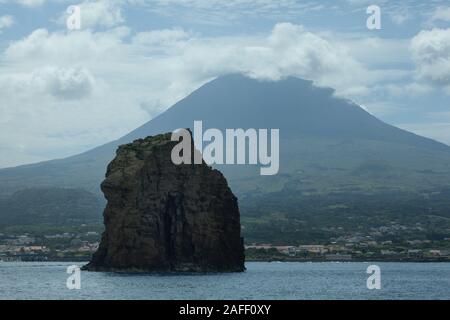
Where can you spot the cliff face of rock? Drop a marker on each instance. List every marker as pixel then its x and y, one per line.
pixel 166 217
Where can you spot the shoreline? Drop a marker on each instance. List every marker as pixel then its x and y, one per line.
pixel 444 259
pixel 412 260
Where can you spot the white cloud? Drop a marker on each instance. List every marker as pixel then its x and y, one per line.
pixel 65 48
pixel 94 13
pixel 6 21
pixel 65 92
pixel 376 50
pixel 33 3
pixel 64 83
pixel 30 3
pixel 400 16
pixel 288 50
pixel 226 12
pixel 441 14
pixel 431 54
pixel 166 37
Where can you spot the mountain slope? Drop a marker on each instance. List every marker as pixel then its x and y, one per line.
pixel 55 206
pixel 327 144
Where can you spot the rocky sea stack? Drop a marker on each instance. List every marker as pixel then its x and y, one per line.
pixel 164 217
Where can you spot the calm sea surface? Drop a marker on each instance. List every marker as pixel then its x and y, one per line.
pixel 262 280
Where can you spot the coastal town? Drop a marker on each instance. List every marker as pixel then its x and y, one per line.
pixel 54 247
pixel 372 246
pixel 362 251
pixel 390 242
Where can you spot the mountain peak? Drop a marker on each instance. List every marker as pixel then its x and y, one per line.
pixel 293 105
pixel 313 125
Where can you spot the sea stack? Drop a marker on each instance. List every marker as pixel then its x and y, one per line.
pixel 163 217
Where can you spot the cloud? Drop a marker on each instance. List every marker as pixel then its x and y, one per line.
pixel 30 3
pixel 63 83
pixel 400 16
pixel 220 12
pixel 161 42
pixel 6 21
pixel 431 54
pixel 65 92
pixel 288 50
pixel 166 37
pixel 441 14
pixel 65 47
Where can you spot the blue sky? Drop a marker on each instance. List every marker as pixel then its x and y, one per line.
pixel 63 92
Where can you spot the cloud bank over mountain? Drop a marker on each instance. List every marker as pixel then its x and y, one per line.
pixel 67 91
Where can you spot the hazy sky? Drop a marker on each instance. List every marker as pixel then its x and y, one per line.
pixel 63 92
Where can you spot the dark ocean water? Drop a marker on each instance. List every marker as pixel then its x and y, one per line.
pixel 262 280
